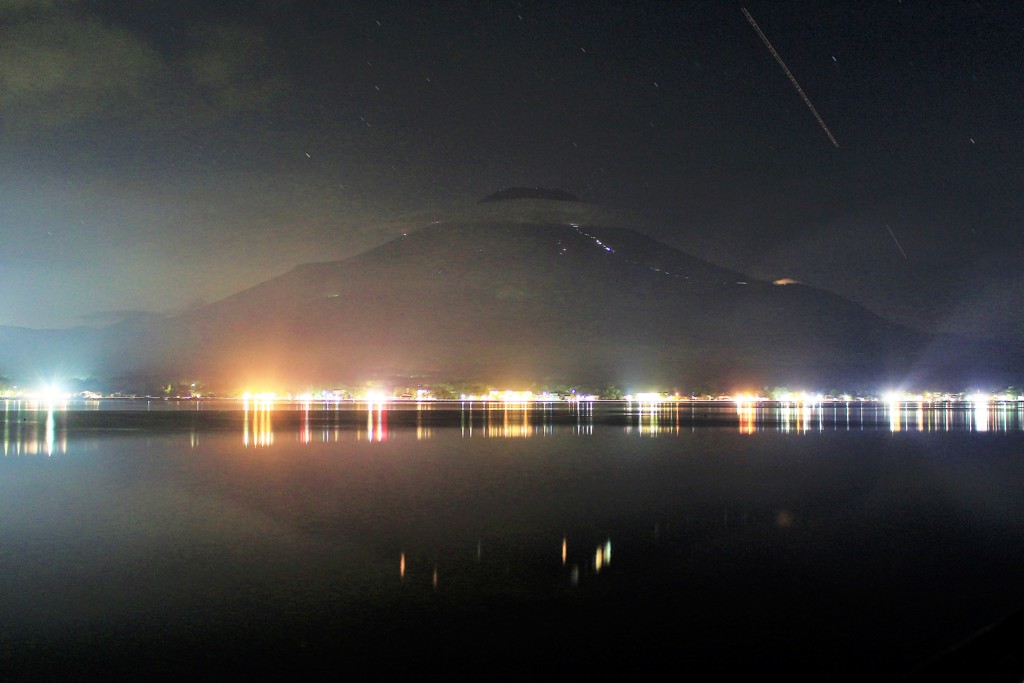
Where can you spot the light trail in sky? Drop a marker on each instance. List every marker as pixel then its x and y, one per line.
pixel 792 78
pixel 898 245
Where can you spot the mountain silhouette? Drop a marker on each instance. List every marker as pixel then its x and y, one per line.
pixel 537 289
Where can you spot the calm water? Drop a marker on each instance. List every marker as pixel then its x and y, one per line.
pixel 839 542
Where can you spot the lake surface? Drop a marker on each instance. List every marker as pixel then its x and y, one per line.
pixel 837 542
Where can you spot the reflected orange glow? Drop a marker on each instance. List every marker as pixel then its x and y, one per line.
pixel 565 549
pixel 514 422
pixel 257 429
pixel 401 567
pixel 422 433
pixel 748 417
pixel 305 435
pixel 377 422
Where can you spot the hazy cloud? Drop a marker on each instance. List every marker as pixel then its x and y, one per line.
pixel 58 68
pixel 233 69
pixel 61 65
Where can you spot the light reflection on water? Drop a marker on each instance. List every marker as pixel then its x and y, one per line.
pixel 35 435
pixel 40 428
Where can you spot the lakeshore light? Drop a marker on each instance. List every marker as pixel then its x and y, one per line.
pixel 892 396
pixel 510 396
pixel 49 393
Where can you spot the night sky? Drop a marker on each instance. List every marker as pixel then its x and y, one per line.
pixel 160 155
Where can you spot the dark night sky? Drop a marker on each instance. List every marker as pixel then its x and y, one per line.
pixel 160 154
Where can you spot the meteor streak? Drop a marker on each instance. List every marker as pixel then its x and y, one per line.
pixel 792 78
pixel 898 246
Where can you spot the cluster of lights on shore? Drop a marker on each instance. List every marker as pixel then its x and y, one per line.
pixel 32 422
pixel 53 392
pixel 652 397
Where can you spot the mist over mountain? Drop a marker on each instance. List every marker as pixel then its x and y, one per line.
pixel 534 288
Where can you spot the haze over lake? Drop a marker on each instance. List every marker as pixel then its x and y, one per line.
pixel 848 541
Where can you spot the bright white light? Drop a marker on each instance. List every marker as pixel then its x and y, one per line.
pixel 892 396
pixel 49 393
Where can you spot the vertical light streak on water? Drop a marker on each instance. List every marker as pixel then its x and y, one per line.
pixel 981 415
pixel 893 408
pixel 49 431
pixel 245 423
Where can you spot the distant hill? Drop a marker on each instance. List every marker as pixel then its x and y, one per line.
pixel 536 291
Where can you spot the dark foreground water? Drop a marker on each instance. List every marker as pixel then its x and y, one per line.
pixel 237 540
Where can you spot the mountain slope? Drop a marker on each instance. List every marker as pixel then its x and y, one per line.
pixel 518 303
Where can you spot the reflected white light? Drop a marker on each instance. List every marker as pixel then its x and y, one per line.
pixel 980 412
pixel 49 432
